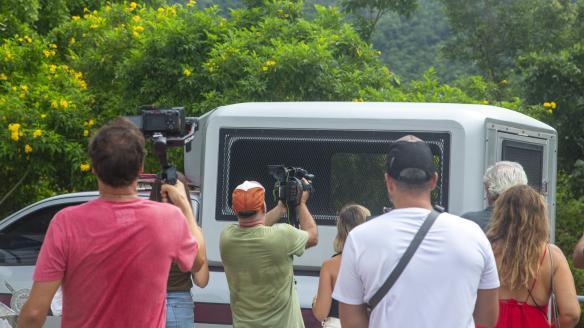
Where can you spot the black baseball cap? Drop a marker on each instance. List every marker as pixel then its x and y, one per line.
pixel 410 155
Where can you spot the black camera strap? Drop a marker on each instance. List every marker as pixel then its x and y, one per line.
pixel 403 262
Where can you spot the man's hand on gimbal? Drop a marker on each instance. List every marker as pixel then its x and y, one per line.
pixel 175 194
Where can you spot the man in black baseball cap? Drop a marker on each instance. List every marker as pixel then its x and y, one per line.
pixel 410 161
pixel 453 266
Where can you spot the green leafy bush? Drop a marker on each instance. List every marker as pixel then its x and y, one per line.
pixel 45 121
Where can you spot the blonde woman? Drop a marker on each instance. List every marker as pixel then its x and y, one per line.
pixel 324 307
pixel 529 267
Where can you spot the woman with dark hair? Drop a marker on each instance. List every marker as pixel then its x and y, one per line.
pixel 179 302
pixel 324 307
pixel 531 269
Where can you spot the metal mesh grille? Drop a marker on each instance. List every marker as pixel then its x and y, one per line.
pixel 530 156
pixel 348 166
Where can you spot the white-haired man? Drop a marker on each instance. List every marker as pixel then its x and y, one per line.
pixel 497 179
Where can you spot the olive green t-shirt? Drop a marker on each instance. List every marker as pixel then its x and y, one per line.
pixel 178 281
pixel 258 266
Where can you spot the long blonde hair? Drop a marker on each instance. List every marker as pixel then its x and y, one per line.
pixel 350 216
pixel 518 232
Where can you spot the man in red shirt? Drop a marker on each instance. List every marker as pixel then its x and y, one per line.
pixel 112 255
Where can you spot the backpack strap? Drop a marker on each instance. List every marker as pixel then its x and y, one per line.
pixel 404 260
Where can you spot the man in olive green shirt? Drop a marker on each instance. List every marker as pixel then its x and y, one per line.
pixel 257 256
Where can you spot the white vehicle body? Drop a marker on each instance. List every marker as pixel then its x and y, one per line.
pixel 343 144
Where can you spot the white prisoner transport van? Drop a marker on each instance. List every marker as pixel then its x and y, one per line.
pixel 344 144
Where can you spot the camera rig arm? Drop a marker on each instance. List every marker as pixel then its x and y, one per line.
pixel 166 128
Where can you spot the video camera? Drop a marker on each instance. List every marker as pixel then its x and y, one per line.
pixel 166 127
pixel 289 187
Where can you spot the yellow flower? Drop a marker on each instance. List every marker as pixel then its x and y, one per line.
pixel 86 133
pixel 14 127
pixel 191 3
pixel 82 85
pixel 28 39
pixel 24 87
pixel 84 167
pixel 269 63
pixel 550 111
pixel 64 103
pixel 75 18
pixel 133 6
pixel 47 53
pixel 547 104
pixel 187 72
pixel 53 68
pixel 14 133
pixel 37 133
pixel 3 77
pixel 53 46
pixel 8 55
pixel 138 28
pixel 54 104
pixel 136 18
pixel 553 105
pixel 27 149
pixel 90 123
pixel 135 34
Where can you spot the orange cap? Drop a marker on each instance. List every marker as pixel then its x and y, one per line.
pixel 248 197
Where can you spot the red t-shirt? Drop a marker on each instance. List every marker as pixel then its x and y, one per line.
pixel 113 259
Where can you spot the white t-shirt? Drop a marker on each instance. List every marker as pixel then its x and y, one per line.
pixel 438 288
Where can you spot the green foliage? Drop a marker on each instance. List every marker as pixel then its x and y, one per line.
pixel 558 78
pixel 493 33
pixel 410 45
pixel 569 227
pixel 176 55
pixel 367 13
pixel 44 123
pixel 18 16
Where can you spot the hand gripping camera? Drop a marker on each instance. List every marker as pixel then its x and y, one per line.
pixel 289 187
pixel 166 127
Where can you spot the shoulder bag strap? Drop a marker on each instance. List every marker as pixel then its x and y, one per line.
pixel 403 262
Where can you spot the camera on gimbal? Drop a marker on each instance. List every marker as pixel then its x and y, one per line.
pixel 289 187
pixel 166 127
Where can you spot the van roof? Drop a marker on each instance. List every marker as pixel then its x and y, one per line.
pixel 461 113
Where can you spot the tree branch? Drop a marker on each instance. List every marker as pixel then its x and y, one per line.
pixel 15 186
